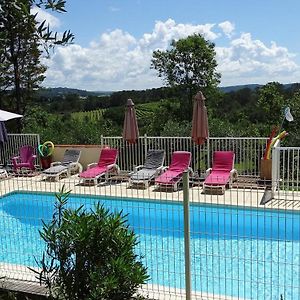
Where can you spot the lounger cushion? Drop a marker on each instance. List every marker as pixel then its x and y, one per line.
pixel 107 157
pixel 144 174
pixel 179 163
pixel 223 161
pixel 55 170
pixel 169 177
pixel 71 155
pixel 154 159
pixel 217 178
pixel 93 172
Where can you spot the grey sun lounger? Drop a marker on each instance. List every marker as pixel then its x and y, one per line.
pixel 152 167
pixel 70 164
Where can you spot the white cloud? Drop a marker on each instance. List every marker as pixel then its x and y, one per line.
pixel 227 27
pixel 251 61
pixel 164 32
pixel 117 60
pixel 120 61
pixel 114 62
pixel 44 15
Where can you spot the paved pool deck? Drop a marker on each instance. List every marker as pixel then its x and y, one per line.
pixel 237 196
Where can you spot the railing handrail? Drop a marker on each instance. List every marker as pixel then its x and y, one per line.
pixel 18 134
pixel 288 148
pixel 188 137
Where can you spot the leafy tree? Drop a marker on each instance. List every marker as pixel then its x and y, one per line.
pixel 116 117
pixel 189 64
pixel 293 128
pixel 21 37
pixel 167 110
pixel 244 112
pixel 271 103
pixel 172 128
pixel 89 254
pixel 20 68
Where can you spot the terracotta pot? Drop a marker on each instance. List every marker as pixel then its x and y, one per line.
pixel 46 162
pixel 266 169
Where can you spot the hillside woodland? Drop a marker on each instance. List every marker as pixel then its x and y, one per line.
pixel 75 119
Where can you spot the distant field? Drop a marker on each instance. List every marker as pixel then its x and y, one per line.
pixel 93 115
pixel 145 110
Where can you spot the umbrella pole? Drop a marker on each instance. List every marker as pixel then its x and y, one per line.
pixel 2 159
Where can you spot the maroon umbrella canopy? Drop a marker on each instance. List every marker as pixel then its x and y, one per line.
pixel 199 123
pixel 130 129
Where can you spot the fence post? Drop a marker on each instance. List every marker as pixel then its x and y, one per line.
pixel 145 145
pixel 187 250
pixel 101 140
pixel 208 153
pixel 275 167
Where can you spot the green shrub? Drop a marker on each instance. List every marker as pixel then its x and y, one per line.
pixel 89 254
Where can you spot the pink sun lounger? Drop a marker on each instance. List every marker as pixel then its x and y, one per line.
pixel 180 162
pixel 222 173
pixel 105 166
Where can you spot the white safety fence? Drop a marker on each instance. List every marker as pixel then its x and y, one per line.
pixel 286 170
pixel 248 151
pixel 210 246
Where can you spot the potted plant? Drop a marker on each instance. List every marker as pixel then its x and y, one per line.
pixel 46 151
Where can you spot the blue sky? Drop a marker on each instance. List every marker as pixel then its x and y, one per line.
pixel 256 41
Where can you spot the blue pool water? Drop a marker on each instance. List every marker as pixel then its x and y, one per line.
pixel 246 253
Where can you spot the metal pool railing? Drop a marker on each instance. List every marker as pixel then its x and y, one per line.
pixel 287 169
pixel 248 151
pixel 195 243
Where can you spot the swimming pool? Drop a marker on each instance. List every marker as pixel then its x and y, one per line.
pixel 245 253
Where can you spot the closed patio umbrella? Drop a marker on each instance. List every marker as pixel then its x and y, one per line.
pixel 3 133
pixel 199 122
pixel 6 115
pixel 130 128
